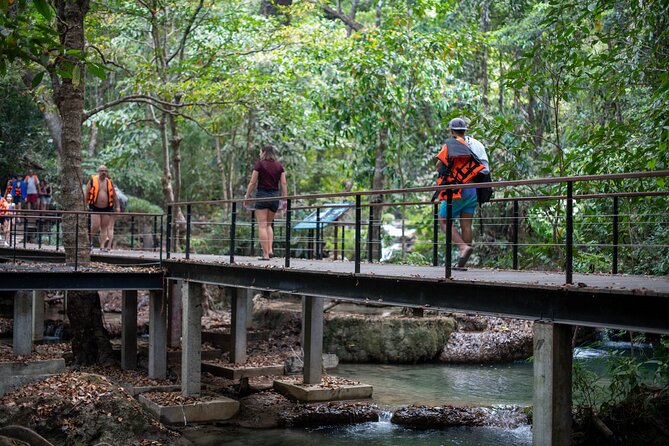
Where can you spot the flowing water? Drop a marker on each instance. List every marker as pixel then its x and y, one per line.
pixel 401 385
pixel 429 384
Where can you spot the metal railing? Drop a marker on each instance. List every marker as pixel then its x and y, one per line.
pixel 243 230
pixel 43 230
pixel 225 227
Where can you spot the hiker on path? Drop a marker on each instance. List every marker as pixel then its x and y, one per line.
pixel 269 177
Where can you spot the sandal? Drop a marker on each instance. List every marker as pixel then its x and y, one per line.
pixel 462 261
pixel 263 258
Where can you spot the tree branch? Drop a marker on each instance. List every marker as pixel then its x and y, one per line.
pixel 348 21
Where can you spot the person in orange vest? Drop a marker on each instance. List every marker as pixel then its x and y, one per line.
pixel 103 202
pixel 458 164
pixel 6 205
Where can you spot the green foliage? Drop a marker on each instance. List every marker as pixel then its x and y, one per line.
pixel 625 375
pixel 136 204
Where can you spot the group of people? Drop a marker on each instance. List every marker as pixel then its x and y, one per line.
pixel 461 159
pixel 22 189
pixel 30 190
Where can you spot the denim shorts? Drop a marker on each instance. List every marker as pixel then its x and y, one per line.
pixel 271 205
pixel 467 203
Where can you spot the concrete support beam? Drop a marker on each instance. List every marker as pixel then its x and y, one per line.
pixel 313 339
pixel 191 338
pixel 175 314
pixel 129 329
pixel 552 419
pixel 238 339
pixel 23 323
pixel 38 315
pixel 157 335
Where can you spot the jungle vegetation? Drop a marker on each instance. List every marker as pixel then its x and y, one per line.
pixel 175 97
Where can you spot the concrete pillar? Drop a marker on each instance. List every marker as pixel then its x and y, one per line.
pixel 157 335
pixel 238 341
pixel 313 339
pixel 191 338
pixel 129 329
pixel 38 315
pixel 175 314
pixel 23 324
pixel 551 425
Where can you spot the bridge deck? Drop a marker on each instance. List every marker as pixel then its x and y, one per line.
pixel 624 283
pixel 637 303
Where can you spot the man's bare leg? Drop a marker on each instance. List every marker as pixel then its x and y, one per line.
pixel 95 226
pixel 104 228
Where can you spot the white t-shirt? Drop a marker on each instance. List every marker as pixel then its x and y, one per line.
pixel 31 185
pixel 479 151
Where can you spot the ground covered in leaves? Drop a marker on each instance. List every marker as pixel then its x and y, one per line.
pixel 83 409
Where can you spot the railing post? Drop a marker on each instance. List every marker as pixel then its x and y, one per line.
pixel 132 233
pixel 449 228
pixel 233 231
pixel 516 223
pixel 287 248
pixel 12 235
pixel 370 235
pixel 76 243
pixel 58 219
pixel 25 230
pixel 343 241
pixel 358 224
pixel 336 236
pixel 160 244
pixel 435 234
pixel 614 268
pixel 317 246
pixel 253 227
pixel 188 216
pixel 168 232
pixel 155 231
pixel 39 233
pixel 570 233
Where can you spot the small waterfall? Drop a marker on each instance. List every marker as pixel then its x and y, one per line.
pixel 385 416
pixel 505 416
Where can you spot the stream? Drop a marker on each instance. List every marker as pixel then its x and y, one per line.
pixel 401 385
pixel 429 384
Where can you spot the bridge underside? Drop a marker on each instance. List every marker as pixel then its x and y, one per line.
pixel 637 310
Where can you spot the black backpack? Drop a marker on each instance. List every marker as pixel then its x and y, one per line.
pixel 483 194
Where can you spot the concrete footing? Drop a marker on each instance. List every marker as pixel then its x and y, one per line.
pixel 16 374
pixel 237 372
pixel 218 409
pixel 312 393
pixel 191 339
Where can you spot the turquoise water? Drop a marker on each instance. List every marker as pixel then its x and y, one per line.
pixel 368 434
pixel 401 385
pixel 435 384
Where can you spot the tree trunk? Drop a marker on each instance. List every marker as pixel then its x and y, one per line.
pixel 90 341
pixel 485 25
pixel 69 99
pixel 378 182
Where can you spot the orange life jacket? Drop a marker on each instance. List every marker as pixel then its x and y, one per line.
pixel 95 190
pixel 17 189
pixel 4 205
pixel 459 165
pixel 34 178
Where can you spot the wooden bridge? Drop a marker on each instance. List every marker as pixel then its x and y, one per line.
pixel 555 300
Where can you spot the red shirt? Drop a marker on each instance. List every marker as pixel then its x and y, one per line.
pixel 269 174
